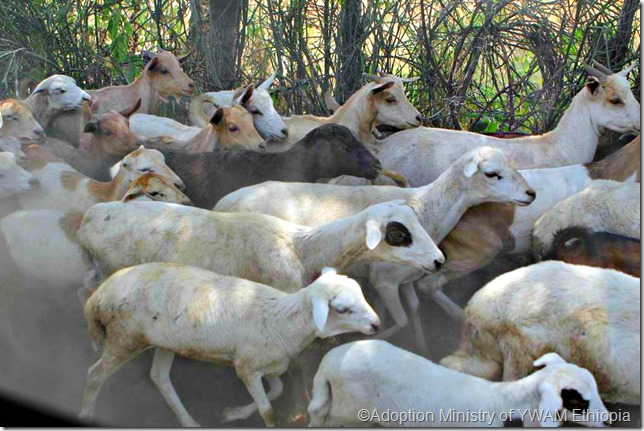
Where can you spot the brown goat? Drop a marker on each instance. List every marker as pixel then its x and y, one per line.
pixel 580 246
pixel 161 78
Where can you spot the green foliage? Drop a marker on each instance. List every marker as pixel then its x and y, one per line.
pixel 484 65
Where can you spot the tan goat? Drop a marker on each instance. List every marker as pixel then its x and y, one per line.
pixel 109 134
pixel 383 99
pixel 229 127
pixel 18 121
pixel 161 78
pixel 64 188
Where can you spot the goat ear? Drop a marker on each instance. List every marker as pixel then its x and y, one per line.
pixel 91 127
pixel 374 236
pixel 320 312
pixel 592 84
pixel 382 87
pixel 248 93
pixel 42 87
pixel 131 110
pixel 549 359
pixel 550 403
pixel 131 194
pixel 470 168
pixel 153 64
pixel 217 117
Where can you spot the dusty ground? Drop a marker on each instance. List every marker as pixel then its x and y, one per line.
pixel 45 353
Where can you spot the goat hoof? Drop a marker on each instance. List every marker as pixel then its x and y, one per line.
pixel 230 414
pixel 299 420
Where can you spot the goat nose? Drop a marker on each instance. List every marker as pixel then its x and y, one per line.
pixel 438 264
pixel 180 185
pixel 419 118
pixel 375 326
pixel 531 193
pixel 285 131
pixel 33 182
pixel 191 84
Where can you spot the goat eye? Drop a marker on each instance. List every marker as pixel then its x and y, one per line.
pixel 62 91
pixel 164 71
pixel 390 100
pixel 145 170
pixel 256 112
pixel 233 128
pixel 154 193
pixel 493 174
pixel 616 101
pixel 397 235
pixel 342 310
pixel 106 132
pixel 125 165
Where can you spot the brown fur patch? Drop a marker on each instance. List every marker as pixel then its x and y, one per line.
pixel 71 179
pixel 479 236
pixel 38 157
pixel 101 191
pixel 70 224
pixel 620 165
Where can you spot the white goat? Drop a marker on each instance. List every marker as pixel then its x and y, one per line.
pixel 146 126
pixel 256 247
pixel 423 153
pixel 483 175
pixel 42 243
pixel 375 377
pixel 257 100
pixel 488 230
pixel 205 316
pixel 64 188
pixel 590 316
pixel 54 95
pixel 603 206
pixel 14 179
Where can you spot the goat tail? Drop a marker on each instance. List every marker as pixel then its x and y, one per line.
pixel 399 179
pixel 95 327
pixel 320 404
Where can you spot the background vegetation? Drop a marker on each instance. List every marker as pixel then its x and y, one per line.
pixel 486 65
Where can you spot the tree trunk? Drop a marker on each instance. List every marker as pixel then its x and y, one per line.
pixel 349 50
pixel 219 46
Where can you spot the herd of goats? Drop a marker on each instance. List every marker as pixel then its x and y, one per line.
pixel 238 239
